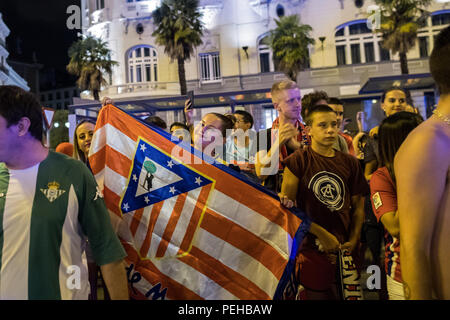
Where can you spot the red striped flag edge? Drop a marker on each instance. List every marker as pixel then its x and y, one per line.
pixel 287 284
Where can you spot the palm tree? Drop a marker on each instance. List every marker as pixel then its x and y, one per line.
pixel 179 30
pixel 400 21
pixel 289 42
pixel 90 59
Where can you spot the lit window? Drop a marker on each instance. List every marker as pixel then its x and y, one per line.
pixel 142 64
pixel 210 66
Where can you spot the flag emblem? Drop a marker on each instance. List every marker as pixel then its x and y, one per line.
pixel 53 192
pixel 157 180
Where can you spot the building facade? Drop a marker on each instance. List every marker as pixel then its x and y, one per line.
pixel 7 75
pixel 234 56
pixel 60 98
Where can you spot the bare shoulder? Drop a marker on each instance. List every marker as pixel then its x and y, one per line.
pixel 430 140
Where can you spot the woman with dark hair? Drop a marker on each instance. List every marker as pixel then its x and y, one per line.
pixel 392 132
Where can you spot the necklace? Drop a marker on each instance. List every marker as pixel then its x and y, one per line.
pixel 442 117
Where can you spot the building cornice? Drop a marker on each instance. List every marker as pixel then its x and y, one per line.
pixel 4 30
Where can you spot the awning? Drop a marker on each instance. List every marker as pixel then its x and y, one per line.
pixel 147 105
pixel 408 81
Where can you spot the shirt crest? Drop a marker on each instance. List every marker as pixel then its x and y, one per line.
pixel 53 192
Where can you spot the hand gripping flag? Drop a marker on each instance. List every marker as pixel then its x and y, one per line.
pixel 192 230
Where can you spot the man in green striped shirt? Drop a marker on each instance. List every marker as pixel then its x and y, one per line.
pixel 49 205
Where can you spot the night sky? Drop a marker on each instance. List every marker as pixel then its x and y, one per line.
pixel 40 26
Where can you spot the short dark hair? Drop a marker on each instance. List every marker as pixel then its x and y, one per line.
pixel 320 108
pixel 440 61
pixel 248 118
pixel 16 103
pixel 156 121
pixel 392 132
pixel 178 124
pixel 310 100
pixel 334 100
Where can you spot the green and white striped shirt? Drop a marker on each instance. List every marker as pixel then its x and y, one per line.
pixel 46 213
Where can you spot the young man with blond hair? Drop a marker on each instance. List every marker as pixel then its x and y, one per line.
pixel 286 135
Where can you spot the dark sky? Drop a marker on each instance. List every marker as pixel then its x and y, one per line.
pixel 40 26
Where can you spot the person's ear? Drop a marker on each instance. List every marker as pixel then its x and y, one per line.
pixel 23 126
pixel 308 130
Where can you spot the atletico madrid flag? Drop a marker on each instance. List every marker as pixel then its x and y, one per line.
pixel 193 229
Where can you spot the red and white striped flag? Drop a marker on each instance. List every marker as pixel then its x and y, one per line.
pixel 192 230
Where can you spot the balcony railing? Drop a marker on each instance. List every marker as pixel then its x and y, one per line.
pixel 140 89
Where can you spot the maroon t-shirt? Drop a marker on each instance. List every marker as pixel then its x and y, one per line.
pixel 326 187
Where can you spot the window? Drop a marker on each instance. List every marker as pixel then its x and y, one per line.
pixel 356 53
pixel 423 47
pixel 66 94
pixel 58 95
pixel 356 43
pixel 440 19
pixel 340 32
pixel 50 96
pixel 100 4
pixel 265 56
pixel 384 53
pixel 340 53
pixel 359 3
pixel 280 11
pixel 265 62
pixel 359 28
pixel 142 64
pixel 369 52
pixel 210 66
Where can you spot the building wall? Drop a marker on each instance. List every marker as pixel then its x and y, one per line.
pixel 59 98
pixel 7 75
pixel 232 25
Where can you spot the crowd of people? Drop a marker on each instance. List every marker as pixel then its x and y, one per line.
pixel 392 181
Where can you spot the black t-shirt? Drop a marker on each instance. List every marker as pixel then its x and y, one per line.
pixel 326 187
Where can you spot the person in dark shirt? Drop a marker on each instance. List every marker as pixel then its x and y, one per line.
pixel 329 186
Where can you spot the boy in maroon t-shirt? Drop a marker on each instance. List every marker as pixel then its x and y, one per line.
pixel 330 187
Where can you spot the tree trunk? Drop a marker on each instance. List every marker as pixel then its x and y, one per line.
pixel 182 76
pixel 404 63
pixel 96 95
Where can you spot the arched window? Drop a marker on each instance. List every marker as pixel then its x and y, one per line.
pixel 265 55
pixel 142 64
pixel 356 43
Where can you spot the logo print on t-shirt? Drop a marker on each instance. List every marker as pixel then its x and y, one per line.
pixel 53 192
pixel 328 189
